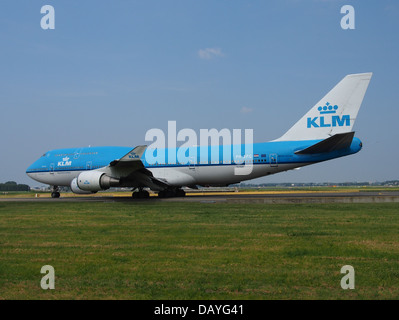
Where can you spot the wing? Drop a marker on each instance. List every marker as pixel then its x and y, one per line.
pixel 132 173
pixel 131 160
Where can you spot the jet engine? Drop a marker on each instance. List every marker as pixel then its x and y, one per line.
pixel 76 189
pixel 93 181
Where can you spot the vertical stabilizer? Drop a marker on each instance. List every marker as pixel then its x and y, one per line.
pixel 335 113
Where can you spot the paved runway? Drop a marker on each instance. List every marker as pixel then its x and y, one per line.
pixel 233 197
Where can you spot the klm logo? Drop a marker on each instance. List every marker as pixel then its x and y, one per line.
pixel 65 162
pixel 133 155
pixel 325 121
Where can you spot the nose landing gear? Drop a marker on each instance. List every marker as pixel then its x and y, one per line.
pixel 55 192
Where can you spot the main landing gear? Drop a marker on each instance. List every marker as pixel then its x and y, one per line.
pixel 169 193
pixel 55 192
pixel 141 194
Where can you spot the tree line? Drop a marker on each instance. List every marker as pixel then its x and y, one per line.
pixel 13 186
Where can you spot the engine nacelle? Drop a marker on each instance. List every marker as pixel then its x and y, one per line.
pixel 95 181
pixel 76 189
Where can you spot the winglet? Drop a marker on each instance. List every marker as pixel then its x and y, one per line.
pixel 133 155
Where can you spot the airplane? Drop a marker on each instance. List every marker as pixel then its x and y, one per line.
pixel 323 133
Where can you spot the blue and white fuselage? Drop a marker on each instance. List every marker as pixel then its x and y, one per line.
pixel 324 133
pixel 60 167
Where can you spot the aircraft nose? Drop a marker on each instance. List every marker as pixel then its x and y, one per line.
pixel 29 174
pixel 32 169
pixel 29 171
pixel 32 172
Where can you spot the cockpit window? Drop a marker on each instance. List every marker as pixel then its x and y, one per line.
pixel 44 155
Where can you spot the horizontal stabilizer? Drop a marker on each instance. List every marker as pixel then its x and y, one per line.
pixel 335 142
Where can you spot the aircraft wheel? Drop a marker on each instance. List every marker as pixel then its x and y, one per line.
pixel 180 193
pixel 162 194
pixel 165 194
pixel 137 195
pixel 145 194
pixel 170 194
pixel 141 194
pixel 55 195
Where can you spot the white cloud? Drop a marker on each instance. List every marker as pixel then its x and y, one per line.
pixel 210 53
pixel 246 110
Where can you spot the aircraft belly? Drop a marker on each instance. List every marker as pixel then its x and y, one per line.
pixel 209 175
pixel 175 176
pixel 62 178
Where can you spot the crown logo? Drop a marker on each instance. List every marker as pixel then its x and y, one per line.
pixel 65 159
pixel 328 108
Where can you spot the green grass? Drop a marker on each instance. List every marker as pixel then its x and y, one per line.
pixel 181 250
pixel 33 193
pixel 326 189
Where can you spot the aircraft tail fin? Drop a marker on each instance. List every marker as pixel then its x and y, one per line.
pixel 335 113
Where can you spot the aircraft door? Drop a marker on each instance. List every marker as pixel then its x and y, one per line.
pixel 191 164
pixel 76 154
pixel 273 158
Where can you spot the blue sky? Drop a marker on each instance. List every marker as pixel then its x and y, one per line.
pixel 112 70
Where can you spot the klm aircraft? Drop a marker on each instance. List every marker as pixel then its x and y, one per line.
pixel 323 133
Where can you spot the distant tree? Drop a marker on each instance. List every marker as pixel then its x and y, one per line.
pixel 13 186
pixel 23 187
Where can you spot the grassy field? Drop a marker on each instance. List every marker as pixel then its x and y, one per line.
pixel 162 250
pixel 265 190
